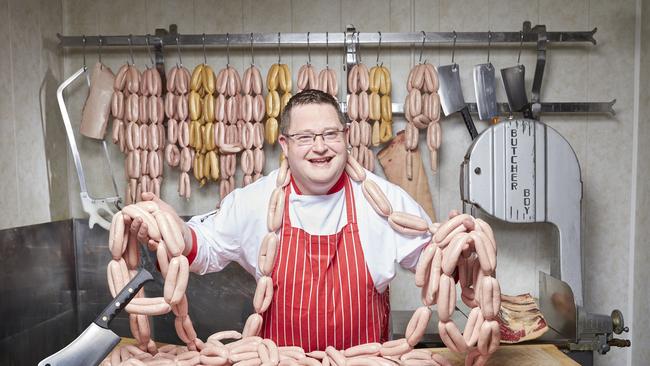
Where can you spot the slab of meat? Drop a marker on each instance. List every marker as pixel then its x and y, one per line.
pixel 520 319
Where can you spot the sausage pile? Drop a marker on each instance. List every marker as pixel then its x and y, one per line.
pixel 177 152
pixel 463 244
pixel 358 112
pixel 422 110
pixel 138 110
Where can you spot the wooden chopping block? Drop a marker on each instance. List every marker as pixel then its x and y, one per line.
pixel 393 160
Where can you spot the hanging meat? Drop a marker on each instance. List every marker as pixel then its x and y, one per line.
pixel 177 151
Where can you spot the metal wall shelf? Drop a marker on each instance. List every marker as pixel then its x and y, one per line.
pixel 351 39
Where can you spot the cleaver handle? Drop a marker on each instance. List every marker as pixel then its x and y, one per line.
pixel 469 122
pixel 123 298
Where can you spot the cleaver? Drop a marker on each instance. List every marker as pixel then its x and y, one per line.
pixel 515 85
pixel 94 344
pixel 451 96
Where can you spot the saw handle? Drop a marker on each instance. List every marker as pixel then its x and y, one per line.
pixel 123 298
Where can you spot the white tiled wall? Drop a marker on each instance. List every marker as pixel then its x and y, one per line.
pixel 579 72
pixel 34 158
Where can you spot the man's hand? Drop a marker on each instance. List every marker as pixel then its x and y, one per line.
pixel 140 229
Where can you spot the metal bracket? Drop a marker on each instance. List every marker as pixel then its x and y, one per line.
pixel 539 67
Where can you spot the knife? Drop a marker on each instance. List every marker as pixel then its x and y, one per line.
pixel 514 82
pixel 95 343
pixel 451 96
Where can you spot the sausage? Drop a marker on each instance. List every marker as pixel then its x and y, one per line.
pixel 176 280
pixel 486 254
pixel 275 210
pixel 355 170
pixel 490 298
pixel 364 131
pixel 120 78
pixel 332 82
pixel 445 229
pixel 376 198
pixel 453 251
pixel 258 160
pixel 263 294
pixel 253 325
pixel 417 325
pixel 268 250
pixel 335 356
pixel 397 347
pixel 446 298
pixel 116 242
pixel 423 266
pixel 489 337
pixel 283 175
pixel 363 108
pixel 368 349
pixel 148 306
pixel 353 106
pixel 451 336
pixel 170 232
pixel 407 224
pixel 473 326
pixel 364 77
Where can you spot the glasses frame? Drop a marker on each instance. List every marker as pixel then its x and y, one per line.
pixel 314 135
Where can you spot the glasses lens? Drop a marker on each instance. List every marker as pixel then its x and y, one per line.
pixel 306 139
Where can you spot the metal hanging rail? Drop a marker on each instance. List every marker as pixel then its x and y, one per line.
pixel 165 38
pixel 352 39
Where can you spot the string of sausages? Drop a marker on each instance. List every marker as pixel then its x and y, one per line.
pixel 252 131
pixel 422 110
pixel 358 112
pixel 326 81
pixel 380 109
pixel 177 151
pixel 201 106
pixel 167 241
pixel 138 112
pixel 229 125
pixel 462 244
pixel 278 80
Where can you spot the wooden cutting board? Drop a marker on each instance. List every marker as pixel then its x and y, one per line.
pixel 393 160
pixel 519 355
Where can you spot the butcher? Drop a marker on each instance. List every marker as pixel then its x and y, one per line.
pixel 336 255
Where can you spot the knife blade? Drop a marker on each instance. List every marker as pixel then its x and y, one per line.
pixel 451 96
pixel 514 81
pixel 96 341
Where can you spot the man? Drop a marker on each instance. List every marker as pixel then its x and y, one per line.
pixel 336 254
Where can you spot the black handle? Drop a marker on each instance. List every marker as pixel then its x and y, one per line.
pixel 469 122
pixel 123 298
pixel 528 111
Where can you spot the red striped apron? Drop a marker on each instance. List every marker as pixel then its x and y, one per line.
pixel 323 292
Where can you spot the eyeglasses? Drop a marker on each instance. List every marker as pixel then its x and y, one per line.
pixel 308 138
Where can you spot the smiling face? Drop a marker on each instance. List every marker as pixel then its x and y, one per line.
pixel 317 167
